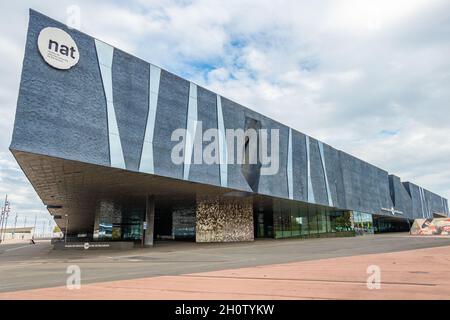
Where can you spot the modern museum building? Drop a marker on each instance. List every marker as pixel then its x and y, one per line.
pixel 120 150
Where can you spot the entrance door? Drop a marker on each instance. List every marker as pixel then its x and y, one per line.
pixel 263 224
pixel 163 223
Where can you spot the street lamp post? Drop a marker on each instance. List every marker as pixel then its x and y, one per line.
pixel 15 226
pixel 4 217
pixel 67 228
pixel 43 229
pixel 5 227
pixel 35 221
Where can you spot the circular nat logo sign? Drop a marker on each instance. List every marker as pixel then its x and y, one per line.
pixel 58 48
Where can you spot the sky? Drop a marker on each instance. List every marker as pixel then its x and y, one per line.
pixel 370 78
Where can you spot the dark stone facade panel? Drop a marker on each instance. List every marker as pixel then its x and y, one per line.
pixel 130 79
pixel 367 179
pixel 335 178
pixel 61 113
pixel 366 186
pixel 299 166
pixel 383 189
pixel 317 173
pixel 207 114
pixel 171 115
pixel 251 170
pixel 428 204
pixel 276 184
pixel 353 174
pixel 403 201
pixel 416 204
pixel 434 201
pixel 234 118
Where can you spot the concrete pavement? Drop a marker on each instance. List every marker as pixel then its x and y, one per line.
pixel 413 274
pixel 40 267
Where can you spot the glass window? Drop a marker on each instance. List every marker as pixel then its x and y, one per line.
pixel 286 214
pixel 313 227
pixel 119 222
pixel 321 221
pixel 277 220
pixel 329 226
pixel 340 221
pixel 304 221
pixel 296 220
pixel 363 223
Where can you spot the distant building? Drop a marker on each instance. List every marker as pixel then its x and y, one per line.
pixel 26 233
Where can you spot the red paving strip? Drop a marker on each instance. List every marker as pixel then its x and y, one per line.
pixel 415 274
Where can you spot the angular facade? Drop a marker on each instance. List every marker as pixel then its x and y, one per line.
pixel 96 142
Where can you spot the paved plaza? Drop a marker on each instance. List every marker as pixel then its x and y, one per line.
pixel 411 268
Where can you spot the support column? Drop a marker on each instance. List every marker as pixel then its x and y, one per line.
pixel 150 219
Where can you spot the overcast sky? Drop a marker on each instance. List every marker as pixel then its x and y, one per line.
pixel 371 78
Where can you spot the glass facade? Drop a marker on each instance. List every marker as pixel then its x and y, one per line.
pixel 263 220
pixel 183 222
pixel 274 218
pixel 390 224
pixel 363 223
pixel 131 226
pixel 123 220
pixel 302 220
pixel 114 222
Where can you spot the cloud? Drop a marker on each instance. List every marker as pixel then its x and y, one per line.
pixel 369 78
